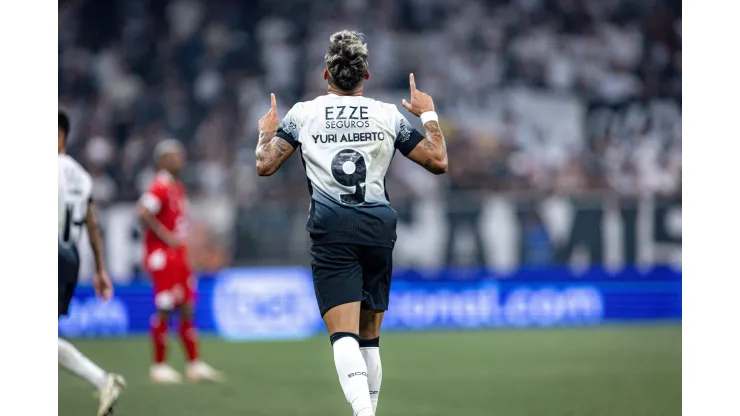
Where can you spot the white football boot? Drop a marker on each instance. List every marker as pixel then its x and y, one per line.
pixel 108 395
pixel 164 374
pixel 200 371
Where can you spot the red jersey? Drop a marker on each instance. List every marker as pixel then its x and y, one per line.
pixel 166 199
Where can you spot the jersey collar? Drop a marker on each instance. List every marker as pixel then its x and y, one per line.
pixel 163 174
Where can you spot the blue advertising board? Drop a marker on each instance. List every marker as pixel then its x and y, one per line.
pixel 278 303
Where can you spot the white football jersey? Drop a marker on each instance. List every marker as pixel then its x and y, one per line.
pixel 75 191
pixel 347 144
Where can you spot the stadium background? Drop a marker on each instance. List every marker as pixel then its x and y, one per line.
pixel 562 206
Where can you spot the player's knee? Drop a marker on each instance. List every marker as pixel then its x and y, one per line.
pixel 369 333
pixel 370 323
pixel 163 315
pixel 343 318
pixel 164 301
pixel 336 336
pixel 186 311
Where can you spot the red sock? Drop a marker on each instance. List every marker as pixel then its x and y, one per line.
pixel 159 337
pixel 189 337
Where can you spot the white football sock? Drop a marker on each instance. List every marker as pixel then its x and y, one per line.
pixel 73 360
pixel 374 373
pixel 352 373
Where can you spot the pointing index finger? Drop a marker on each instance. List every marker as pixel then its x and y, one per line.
pixel 273 102
pixel 412 83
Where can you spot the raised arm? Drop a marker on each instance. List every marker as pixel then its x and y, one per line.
pixel 431 152
pixel 272 150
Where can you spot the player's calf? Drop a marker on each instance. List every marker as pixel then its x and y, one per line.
pixel 343 324
pixel 71 359
pixel 159 327
pixel 196 370
pixel 188 333
pixel 370 322
pixel 160 372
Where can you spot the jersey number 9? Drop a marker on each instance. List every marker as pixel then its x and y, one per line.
pixel 349 169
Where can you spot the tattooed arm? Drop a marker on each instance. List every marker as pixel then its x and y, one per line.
pixel 96 239
pixel 272 150
pixel 101 281
pixel 431 152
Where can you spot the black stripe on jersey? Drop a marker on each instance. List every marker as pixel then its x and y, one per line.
pixel 285 135
pixel 310 186
pixel 312 207
pixel 385 187
pixel 406 146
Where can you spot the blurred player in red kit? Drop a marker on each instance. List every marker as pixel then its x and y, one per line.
pixel 163 212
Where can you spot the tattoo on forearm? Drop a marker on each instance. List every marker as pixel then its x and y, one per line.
pixel 431 127
pixel 434 138
pixel 263 156
pixel 96 238
pixel 266 135
pixel 272 151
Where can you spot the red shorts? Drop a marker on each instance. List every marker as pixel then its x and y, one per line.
pixel 174 282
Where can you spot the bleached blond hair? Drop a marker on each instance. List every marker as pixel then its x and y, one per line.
pixel 346 59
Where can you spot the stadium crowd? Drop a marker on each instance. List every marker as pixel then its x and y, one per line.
pixel 132 72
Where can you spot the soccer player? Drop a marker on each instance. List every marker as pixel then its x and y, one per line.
pixel 163 212
pixel 347 142
pixel 75 210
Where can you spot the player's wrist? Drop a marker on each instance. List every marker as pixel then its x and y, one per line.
pixel 429 116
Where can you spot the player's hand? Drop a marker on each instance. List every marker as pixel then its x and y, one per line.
pixel 420 102
pixel 270 122
pixel 171 240
pixel 103 286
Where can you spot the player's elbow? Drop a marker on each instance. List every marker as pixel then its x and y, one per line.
pixel 438 166
pixel 443 166
pixel 264 169
pixel 141 212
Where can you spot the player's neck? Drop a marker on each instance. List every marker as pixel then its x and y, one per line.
pixel 168 173
pixel 336 91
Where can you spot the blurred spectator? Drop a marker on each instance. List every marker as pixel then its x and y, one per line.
pixel 132 72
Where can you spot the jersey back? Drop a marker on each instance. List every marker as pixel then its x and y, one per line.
pixel 167 201
pixel 347 144
pixel 74 194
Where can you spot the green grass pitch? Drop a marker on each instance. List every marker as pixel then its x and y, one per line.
pixel 609 371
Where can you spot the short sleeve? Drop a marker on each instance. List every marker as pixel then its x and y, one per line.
pixel 154 198
pixel 288 129
pixel 407 137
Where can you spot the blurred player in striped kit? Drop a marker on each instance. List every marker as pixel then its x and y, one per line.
pixel 76 209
